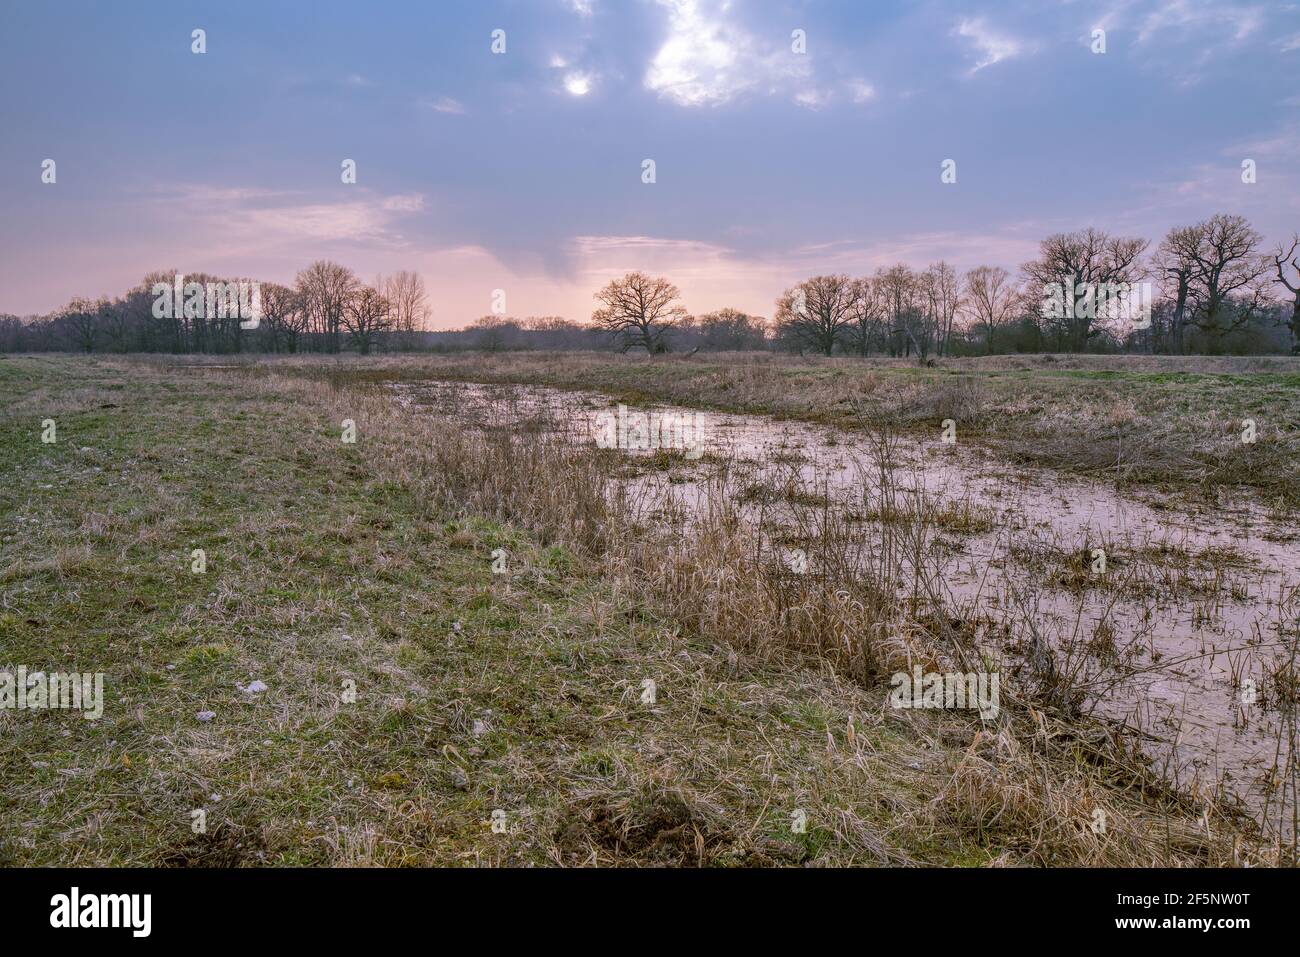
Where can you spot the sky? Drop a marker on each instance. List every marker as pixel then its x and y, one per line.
pixel 777 155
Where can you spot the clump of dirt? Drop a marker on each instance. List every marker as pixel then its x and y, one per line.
pixel 655 827
pixel 226 845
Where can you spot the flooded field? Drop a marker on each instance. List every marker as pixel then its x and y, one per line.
pixel 1178 618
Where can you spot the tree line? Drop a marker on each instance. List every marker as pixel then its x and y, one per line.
pixel 1214 289
pixel 327 309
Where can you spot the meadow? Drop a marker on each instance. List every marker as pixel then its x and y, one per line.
pixel 480 644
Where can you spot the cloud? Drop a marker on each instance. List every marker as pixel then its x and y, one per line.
pixel 196 195
pixel 860 91
pixel 445 104
pixel 583 8
pixel 244 223
pixel 708 59
pixel 1184 40
pixel 813 99
pixel 1007 248
pixel 991 46
pixel 1185 16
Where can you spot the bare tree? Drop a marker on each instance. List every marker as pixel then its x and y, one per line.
pixel 404 291
pixel 165 329
pixel 283 320
pixel 1280 261
pixel 730 329
pixel 990 300
pixel 493 333
pixel 555 332
pixel 866 315
pixel 195 312
pixel 1229 282
pixel 115 320
pixel 324 289
pixel 817 312
pixel 365 316
pixel 941 287
pixel 81 317
pixel 898 291
pixel 640 311
pixel 1176 261
pixel 1087 259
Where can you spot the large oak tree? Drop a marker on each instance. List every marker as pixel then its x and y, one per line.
pixel 640 311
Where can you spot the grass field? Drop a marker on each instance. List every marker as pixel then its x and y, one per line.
pixel 500 718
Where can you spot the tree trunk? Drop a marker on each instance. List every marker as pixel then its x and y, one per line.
pixel 1180 313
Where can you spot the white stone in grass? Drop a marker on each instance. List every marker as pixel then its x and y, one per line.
pixel 253 687
pixel 206 715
